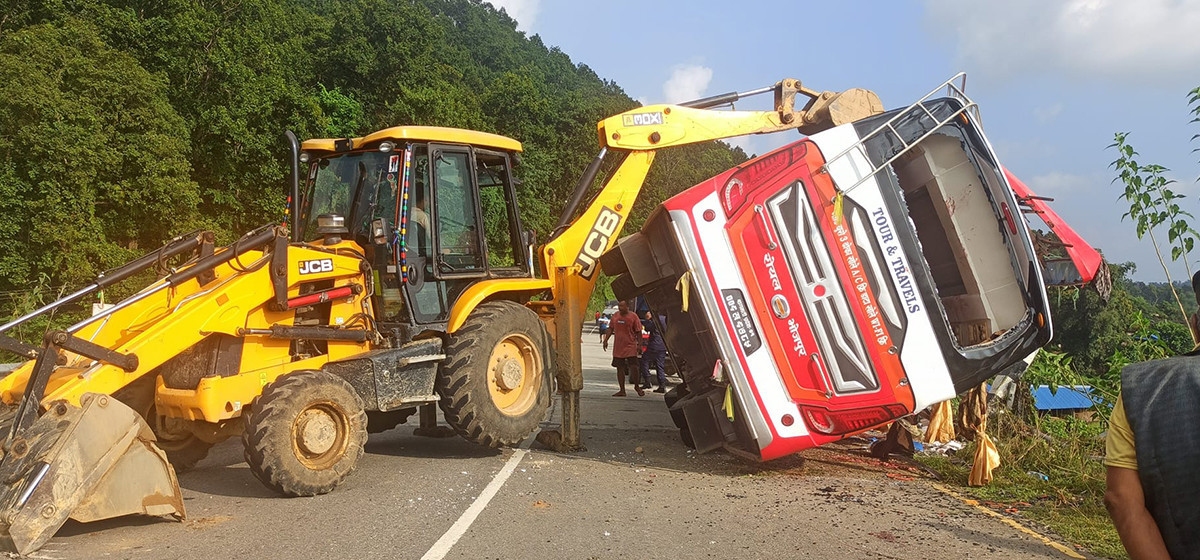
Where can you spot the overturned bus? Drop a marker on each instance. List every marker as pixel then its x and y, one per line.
pixel 850 278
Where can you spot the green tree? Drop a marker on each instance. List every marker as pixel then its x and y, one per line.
pixel 93 157
pixel 1153 204
pixel 166 115
pixel 1194 104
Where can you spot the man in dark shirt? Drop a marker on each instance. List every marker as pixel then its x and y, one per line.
pixel 627 329
pixel 655 354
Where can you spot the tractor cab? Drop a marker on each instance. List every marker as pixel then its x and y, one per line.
pixel 433 208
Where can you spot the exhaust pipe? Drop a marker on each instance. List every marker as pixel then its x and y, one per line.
pixel 293 208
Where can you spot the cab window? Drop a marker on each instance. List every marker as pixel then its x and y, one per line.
pixel 335 186
pixel 458 239
pixel 499 209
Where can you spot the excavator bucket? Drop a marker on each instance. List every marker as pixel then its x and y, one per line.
pixel 86 463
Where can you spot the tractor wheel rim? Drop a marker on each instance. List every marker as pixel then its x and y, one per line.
pixel 514 374
pixel 319 435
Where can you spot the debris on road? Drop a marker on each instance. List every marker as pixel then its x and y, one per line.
pixel 885 536
pixel 943 448
pixel 205 522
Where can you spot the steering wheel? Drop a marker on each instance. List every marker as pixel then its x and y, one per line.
pixel 416 273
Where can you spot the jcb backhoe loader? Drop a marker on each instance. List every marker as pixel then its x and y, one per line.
pixel 406 278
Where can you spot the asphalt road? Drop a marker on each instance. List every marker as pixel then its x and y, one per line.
pixel 636 492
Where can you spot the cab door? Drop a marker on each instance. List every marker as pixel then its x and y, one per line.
pixel 506 244
pixel 446 253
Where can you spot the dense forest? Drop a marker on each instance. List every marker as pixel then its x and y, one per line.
pixel 1138 317
pixel 123 122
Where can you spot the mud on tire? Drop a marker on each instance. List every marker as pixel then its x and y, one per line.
pixel 305 433
pixel 496 382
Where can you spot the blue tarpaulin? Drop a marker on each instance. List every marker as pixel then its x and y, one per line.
pixel 1065 398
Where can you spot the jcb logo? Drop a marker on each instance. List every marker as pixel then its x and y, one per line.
pixel 316 267
pixel 597 241
pixel 642 119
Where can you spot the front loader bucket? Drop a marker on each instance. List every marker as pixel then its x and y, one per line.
pixel 87 463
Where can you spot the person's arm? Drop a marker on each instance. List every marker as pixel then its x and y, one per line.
pixel 635 332
pixel 1126 505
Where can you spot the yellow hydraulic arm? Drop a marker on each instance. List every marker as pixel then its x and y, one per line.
pixel 571 257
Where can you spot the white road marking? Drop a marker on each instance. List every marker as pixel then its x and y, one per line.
pixel 442 547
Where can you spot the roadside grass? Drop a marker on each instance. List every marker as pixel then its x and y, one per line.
pixel 1069 452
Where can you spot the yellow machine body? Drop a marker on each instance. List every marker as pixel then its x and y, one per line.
pixel 170 321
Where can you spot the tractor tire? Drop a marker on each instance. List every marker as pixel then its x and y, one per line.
pixel 305 433
pixel 496 381
pixel 379 422
pixel 183 455
pixel 182 447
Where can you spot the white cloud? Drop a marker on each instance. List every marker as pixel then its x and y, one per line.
pixel 1046 113
pixel 1132 42
pixel 524 11
pixel 1057 183
pixel 687 82
pixel 1024 149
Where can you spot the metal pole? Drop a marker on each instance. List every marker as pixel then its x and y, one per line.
pixel 52 305
pixel 428 418
pixel 132 300
pixel 174 247
pixel 570 420
pixel 724 98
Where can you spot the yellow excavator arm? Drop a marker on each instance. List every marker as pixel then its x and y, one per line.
pixel 571 258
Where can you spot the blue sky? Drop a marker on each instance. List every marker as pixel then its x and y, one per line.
pixel 1054 80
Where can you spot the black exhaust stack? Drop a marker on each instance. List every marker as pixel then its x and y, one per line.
pixel 294 198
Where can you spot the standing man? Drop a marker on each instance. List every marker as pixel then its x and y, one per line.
pixel 602 323
pixel 1153 451
pixel 627 329
pixel 654 355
